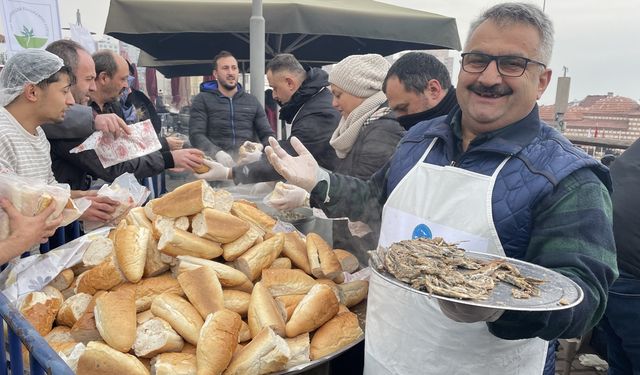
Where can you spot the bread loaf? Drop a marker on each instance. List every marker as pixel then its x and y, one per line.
pixel 299 348
pixel 245 332
pixel 174 364
pixel 282 282
pixel 237 301
pixel 316 308
pixel 354 292
pixel 148 289
pixel 104 276
pixel 156 336
pixel 72 309
pixel 219 226
pixel 348 262
pixel 156 262
pixel 131 251
pixel 162 223
pixel 217 342
pixel 40 310
pixel 183 223
pixel 115 315
pixel 264 311
pixel 98 251
pixel 144 316
pixel 290 302
pixel 228 276
pixel 281 263
pixel 177 242
pixel 100 359
pixel 260 256
pixel 203 290
pixel 337 333
pixel 182 316
pixel 266 353
pixel 323 261
pixel 185 200
pixel 148 210
pixel 253 215
pixel 295 249
pixel 59 334
pixel 85 328
pixel 63 280
pixel 232 250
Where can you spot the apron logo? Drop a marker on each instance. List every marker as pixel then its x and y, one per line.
pixel 421 231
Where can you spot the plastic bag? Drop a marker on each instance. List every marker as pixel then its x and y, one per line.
pixel 142 141
pixel 30 196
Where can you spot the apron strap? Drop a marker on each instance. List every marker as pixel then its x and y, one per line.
pixel 433 143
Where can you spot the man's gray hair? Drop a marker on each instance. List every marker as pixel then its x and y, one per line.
pixel 105 61
pixel 507 14
pixel 286 62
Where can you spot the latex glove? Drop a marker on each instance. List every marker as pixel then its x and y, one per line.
pixel 468 314
pixel 29 230
pixel 289 197
pixel 217 172
pixel 175 143
pixel 250 157
pixel 301 170
pixel 224 159
pixel 188 158
pixel 101 209
pixel 112 124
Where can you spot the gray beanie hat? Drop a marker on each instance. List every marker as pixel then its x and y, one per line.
pixel 360 75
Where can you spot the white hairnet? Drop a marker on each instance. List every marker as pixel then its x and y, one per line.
pixel 28 66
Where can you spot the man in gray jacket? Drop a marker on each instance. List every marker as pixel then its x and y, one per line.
pixel 224 116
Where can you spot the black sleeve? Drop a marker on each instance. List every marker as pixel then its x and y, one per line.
pixel 198 127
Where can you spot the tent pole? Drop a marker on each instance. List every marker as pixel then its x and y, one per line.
pixel 256 37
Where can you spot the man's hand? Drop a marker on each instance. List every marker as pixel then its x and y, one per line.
pixel 188 158
pixel 112 124
pixel 101 209
pixel 468 314
pixel 175 143
pixel 250 157
pixel 302 170
pixel 30 230
pixel 224 159
pixel 289 197
pixel 217 171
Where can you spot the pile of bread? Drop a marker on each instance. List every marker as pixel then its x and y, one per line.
pixel 197 283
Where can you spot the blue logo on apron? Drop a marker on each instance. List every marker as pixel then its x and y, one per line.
pixel 421 231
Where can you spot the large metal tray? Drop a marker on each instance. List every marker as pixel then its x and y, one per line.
pixel 558 292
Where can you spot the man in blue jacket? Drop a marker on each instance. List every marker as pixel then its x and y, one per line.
pixel 495 178
pixel 224 116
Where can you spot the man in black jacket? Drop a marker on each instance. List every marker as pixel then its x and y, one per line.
pixel 305 103
pixel 224 116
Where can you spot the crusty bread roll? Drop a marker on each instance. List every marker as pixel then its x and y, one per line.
pixel 253 215
pixel 202 168
pixel 228 276
pixel 182 316
pixel 156 262
pixel 160 224
pixel 177 242
pixel 245 333
pixel 85 329
pixel 174 364
pixel 236 300
pixel 290 302
pixel 217 342
pixel 335 334
pixel 354 292
pixel 63 280
pixel 148 210
pixel 147 289
pixel 100 359
pixel 218 226
pixel 232 250
pixel 71 357
pixel 295 249
pixel 59 334
pixel 156 336
pixel 188 348
pixel 40 310
pixel 281 263
pixel 348 261
pixel 104 276
pixel 144 316
pixel 266 353
pixel 131 251
pixel 331 284
pixel 264 311
pixel 52 292
pixel 316 308
pixel 183 223
pixel 323 261
pixel 72 309
pixel 282 282
pixel 299 348
pixel 115 315
pixel 185 200
pixel 260 256
pixel 203 290
pixel 98 251
pixel 136 216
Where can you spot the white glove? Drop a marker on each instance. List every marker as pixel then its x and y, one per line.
pixel 462 313
pixel 289 197
pixel 250 157
pixel 217 171
pixel 224 159
pixel 302 170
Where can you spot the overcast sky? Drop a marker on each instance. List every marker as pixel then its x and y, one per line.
pixel 593 39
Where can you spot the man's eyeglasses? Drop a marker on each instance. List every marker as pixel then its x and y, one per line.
pixel 508 66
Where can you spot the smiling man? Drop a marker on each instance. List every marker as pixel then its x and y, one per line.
pixel 495 178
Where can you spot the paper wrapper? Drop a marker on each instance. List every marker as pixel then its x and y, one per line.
pixel 29 274
pixel 142 141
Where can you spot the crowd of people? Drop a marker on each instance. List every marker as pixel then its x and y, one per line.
pixel 392 147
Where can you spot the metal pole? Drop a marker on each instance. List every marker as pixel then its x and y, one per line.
pixel 256 38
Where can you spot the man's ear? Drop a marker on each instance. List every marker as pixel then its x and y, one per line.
pixel 102 77
pixel 31 92
pixel 434 89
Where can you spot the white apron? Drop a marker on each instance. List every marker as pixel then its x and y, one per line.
pixel 406 332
